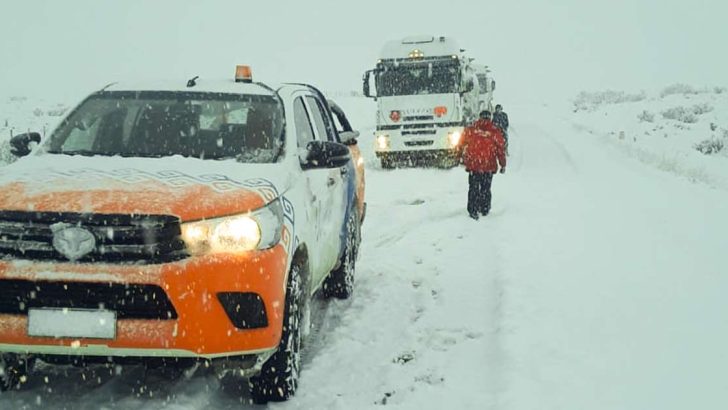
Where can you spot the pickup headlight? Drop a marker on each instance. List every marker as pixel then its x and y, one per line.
pixel 260 229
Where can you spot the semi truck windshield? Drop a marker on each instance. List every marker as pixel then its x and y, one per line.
pixel 418 79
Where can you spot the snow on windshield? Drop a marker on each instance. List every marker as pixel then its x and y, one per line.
pixel 160 124
pixel 413 79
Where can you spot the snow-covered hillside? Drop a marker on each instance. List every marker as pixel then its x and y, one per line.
pixel 23 114
pixel 597 282
pixel 681 129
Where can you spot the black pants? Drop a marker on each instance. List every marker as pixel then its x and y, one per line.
pixel 479 193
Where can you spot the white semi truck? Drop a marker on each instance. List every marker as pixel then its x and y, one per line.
pixel 427 90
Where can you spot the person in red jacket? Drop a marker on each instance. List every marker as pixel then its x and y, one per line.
pixel 482 150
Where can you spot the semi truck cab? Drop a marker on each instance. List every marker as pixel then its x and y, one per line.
pixel 427 90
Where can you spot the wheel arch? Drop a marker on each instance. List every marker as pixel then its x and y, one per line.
pixel 301 259
pixel 351 208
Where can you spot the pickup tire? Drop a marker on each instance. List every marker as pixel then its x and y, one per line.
pixel 278 378
pixel 14 371
pixel 340 282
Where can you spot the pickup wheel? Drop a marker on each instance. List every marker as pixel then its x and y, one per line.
pixel 14 371
pixel 278 378
pixel 340 282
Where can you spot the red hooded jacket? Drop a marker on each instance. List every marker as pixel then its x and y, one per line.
pixel 483 147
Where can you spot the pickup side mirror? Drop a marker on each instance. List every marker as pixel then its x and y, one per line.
pixel 326 154
pixel 20 145
pixel 348 137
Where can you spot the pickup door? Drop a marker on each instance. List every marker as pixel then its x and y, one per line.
pixel 327 187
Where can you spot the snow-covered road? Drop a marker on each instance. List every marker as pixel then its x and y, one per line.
pixel 596 283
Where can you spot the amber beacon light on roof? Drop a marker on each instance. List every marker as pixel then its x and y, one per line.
pixel 243 74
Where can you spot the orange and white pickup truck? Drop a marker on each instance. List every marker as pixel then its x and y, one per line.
pixel 173 224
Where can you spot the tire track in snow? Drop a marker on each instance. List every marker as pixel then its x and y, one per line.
pixel 422 317
pixel 536 135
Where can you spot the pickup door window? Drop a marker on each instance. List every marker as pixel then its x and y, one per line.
pixel 304 131
pixel 323 125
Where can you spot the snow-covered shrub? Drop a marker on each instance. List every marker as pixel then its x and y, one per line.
pixel 646 116
pixel 57 111
pixel 719 90
pixel 681 114
pixel 710 146
pixel 591 100
pixel 683 89
pixel 5 156
pixel 700 109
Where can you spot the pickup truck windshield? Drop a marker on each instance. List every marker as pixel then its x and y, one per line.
pixel 160 123
pixel 416 79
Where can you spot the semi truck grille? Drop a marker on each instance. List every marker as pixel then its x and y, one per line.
pixel 388 127
pixel 117 238
pixel 128 301
pixel 416 126
pixel 420 125
pixel 419 118
pixel 420 132
pixel 418 143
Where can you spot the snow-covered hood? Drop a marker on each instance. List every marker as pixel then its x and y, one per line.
pixel 189 188
pixel 418 106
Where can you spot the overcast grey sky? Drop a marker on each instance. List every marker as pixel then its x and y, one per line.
pixel 536 48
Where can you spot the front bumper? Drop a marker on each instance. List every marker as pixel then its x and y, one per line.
pixel 201 327
pixel 422 138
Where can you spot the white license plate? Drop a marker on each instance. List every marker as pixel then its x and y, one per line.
pixel 80 323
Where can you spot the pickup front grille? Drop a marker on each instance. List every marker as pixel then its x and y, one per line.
pixel 118 238
pixel 128 301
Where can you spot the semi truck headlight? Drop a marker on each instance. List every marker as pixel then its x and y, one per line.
pixel 260 229
pixel 453 138
pixel 383 142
